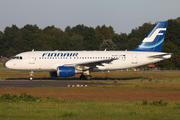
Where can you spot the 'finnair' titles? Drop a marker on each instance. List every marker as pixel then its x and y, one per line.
pixel 59 54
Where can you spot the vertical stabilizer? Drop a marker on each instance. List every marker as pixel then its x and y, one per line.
pixel 154 40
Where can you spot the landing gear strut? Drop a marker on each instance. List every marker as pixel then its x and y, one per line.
pixel 87 77
pixel 31 76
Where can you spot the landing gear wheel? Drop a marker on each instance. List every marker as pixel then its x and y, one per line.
pixel 88 77
pixel 30 78
pixel 31 75
pixel 82 77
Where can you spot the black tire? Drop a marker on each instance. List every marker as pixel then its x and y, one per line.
pixel 82 77
pixel 88 77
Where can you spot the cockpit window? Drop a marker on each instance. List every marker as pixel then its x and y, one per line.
pixel 18 57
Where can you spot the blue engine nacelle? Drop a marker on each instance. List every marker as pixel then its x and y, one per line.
pixel 53 74
pixel 65 71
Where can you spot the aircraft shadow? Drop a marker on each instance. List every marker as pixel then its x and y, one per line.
pixel 74 78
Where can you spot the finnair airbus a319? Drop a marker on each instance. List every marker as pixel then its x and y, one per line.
pixel 69 63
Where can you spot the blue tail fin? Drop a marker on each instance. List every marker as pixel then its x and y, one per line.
pixel 154 40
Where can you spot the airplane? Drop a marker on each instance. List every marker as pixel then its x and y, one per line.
pixel 69 63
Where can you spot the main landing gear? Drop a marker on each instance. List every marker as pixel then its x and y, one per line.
pixel 31 76
pixel 87 77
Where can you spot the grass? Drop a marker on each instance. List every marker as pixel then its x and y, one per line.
pixel 119 97
pixel 87 109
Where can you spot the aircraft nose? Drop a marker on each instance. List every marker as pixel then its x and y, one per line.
pixel 8 64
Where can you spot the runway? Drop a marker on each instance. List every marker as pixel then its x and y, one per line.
pixel 39 83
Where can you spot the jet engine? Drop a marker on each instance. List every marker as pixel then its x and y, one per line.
pixel 65 71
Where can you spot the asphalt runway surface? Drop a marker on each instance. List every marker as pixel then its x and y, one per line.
pixel 39 83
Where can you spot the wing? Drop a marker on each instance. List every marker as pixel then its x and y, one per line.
pixel 97 62
pixel 91 64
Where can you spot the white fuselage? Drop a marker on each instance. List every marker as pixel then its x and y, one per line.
pixel 50 60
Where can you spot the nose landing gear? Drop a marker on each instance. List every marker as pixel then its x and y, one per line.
pixel 31 76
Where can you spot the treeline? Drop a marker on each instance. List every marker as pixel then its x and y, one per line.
pixel 14 40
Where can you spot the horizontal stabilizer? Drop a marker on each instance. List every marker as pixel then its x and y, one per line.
pixel 165 55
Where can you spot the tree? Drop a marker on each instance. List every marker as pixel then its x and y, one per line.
pixel 76 42
pixel 108 45
pixel 132 43
pixel 1 43
pixel 68 31
pixel 90 40
pixel 106 32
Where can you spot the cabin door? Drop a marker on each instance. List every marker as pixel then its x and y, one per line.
pixel 31 58
pixel 134 58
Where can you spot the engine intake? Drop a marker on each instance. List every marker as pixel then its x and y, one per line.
pixel 65 71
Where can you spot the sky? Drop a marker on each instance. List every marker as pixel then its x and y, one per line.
pixel 122 15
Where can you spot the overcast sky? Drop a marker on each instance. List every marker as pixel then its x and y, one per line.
pixel 122 15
